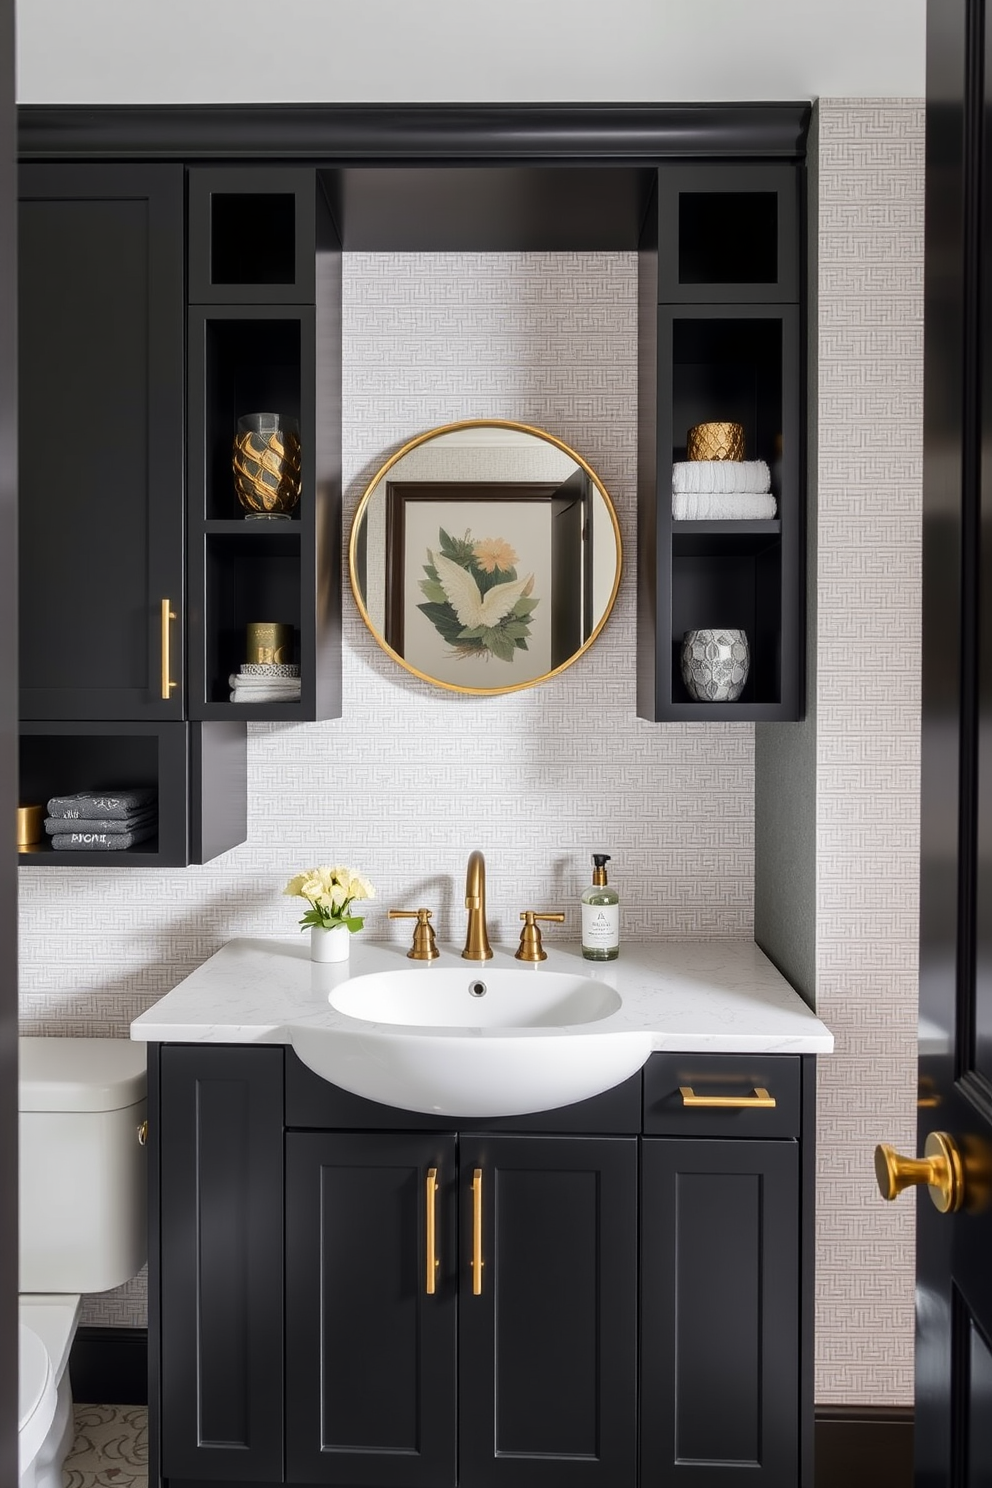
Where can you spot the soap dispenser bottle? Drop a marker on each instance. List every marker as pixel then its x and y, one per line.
pixel 600 915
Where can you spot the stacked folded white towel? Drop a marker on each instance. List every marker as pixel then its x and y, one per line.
pixel 265 685
pixel 722 490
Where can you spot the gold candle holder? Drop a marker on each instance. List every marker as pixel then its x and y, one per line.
pixel 268 643
pixel 30 825
pixel 715 442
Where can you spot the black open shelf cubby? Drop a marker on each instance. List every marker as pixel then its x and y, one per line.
pixel 198 770
pixel 728 233
pixel 738 363
pixel 248 577
pixel 261 240
pixel 251 235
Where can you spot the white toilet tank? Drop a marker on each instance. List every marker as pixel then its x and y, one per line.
pixel 82 1163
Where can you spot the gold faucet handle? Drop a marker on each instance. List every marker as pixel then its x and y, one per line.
pixel 424 946
pixel 530 947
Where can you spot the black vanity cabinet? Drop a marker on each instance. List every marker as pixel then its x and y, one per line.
pixel 458 1309
pixel 602 1296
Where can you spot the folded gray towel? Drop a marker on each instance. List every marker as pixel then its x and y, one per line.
pixel 100 841
pixel 89 805
pixel 54 824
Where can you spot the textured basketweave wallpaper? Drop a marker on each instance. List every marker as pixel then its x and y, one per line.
pixel 869 452
pixel 411 778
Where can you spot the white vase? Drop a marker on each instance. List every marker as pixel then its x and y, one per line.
pixel 332 944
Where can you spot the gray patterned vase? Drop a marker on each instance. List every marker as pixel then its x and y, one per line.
pixel 714 664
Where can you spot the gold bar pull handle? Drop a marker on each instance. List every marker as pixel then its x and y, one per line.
pixel 477 1262
pixel 758 1100
pixel 168 613
pixel 432 1259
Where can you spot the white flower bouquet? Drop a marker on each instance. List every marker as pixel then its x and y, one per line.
pixel 330 892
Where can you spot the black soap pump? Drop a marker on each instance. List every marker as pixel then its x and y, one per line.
pixel 600 915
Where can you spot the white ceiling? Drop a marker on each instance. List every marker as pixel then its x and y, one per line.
pixel 432 51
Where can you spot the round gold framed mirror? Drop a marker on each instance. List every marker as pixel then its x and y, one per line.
pixel 485 556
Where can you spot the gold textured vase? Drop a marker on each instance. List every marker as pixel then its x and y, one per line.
pixel 267 464
pixel 715 442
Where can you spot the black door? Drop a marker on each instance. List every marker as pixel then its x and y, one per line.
pixel 547 1312
pixel 719 1313
pixel 370 1321
pixel 101 442
pixel 954 1220
pixel 221 1260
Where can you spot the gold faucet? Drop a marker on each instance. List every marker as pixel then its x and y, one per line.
pixel 477 947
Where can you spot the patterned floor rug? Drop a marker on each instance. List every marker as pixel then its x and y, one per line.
pixel 111 1448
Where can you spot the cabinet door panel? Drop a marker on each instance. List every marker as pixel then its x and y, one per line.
pixel 547 1353
pixel 720 1313
pixel 222 1264
pixel 370 1354
pixel 101 440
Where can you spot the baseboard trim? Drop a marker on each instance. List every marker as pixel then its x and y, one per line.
pixel 857 1446
pixel 863 1446
pixel 109 1366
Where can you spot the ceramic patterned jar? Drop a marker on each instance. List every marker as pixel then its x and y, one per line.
pixel 715 664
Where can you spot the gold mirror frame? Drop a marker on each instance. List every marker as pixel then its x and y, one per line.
pixel 360 515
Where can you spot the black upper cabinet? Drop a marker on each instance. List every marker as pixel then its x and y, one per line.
pixel 101 442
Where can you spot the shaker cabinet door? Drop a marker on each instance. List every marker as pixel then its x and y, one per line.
pixel 221 1262
pixel 101 354
pixel 547 1312
pixel 370 1321
pixel 720 1304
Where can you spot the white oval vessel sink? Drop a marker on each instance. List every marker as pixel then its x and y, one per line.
pixel 473 1040
pixel 450 998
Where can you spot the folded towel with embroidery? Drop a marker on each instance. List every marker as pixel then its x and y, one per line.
pixel 741 477
pixel 91 805
pixel 100 841
pixel 57 824
pixel 690 507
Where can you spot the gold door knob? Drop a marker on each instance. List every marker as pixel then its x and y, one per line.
pixel 940 1168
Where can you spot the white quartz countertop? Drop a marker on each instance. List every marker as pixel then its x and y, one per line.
pixel 691 996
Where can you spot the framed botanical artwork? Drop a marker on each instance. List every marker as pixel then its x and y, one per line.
pixel 484 581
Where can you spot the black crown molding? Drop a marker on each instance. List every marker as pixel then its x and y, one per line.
pixel 403 133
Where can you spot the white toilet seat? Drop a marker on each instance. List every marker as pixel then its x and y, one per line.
pixel 37 1399
pixel 50 1320
pixel 53 1316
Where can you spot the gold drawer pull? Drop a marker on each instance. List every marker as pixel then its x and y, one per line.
pixel 758 1100
pixel 432 1260
pixel 477 1261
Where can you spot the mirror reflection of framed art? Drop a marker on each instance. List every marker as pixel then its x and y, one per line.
pixel 485 556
